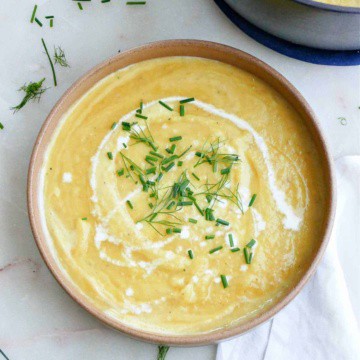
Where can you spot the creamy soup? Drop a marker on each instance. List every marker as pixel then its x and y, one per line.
pixel 352 3
pixel 182 195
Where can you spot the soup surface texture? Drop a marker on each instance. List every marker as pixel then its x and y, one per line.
pixel 182 217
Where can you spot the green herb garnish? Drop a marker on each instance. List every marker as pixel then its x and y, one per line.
pixel 59 57
pixel 224 281
pixel 252 200
pixel 182 110
pixel 209 237
pixel 110 155
pixel 191 255
pixel 166 106
pixel 50 61
pixel 33 14
pixel 187 100
pixel 175 138
pixel 129 203
pixel 194 221
pixel 141 116
pixel 163 349
pixel 222 222
pixel 215 249
pixel 251 243
pixel 231 240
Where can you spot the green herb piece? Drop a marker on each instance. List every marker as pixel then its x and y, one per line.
pixel 231 240
pixel 113 126
pixel 33 14
pixel 195 176
pixel 180 163
pixel 151 158
pixel 172 149
pixel 182 110
pixel 50 61
pixel 141 116
pixel 194 221
pixel 191 255
pixel 185 203
pixel 84 218
pixel 38 22
pixel 251 243
pixel 33 91
pixel 151 205
pixel 152 170
pixel 252 200
pixel 224 281
pixel 222 222
pixel 1 126
pixel 157 154
pixel 110 155
pixel 184 101
pixel 51 23
pixel 248 257
pixel 209 237
pixel 59 57
pixel 136 3
pixel 105 1
pixel 121 172
pixel 215 249
pixel 163 349
pixel 169 167
pixel 129 203
pixel 208 198
pixel 170 205
pixel 169 231
pixel 225 171
pixel 166 106
pixel 159 177
pixel 49 17
pixel 175 138
pixel 199 154
pixel 169 159
pixel 235 249
pixel 209 216
pixel 80 6
pixel 177 230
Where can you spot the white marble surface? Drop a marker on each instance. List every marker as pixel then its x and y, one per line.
pixel 38 320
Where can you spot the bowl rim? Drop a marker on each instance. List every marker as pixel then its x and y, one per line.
pixel 180 47
pixel 330 7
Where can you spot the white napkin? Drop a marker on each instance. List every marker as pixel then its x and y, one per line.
pixel 320 324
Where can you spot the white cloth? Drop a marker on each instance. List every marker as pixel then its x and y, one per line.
pixel 320 323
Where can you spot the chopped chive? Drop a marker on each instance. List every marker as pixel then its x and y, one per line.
pixel 141 107
pixel 110 155
pixel 33 14
pixel 177 230
pixel 194 221
pixel 159 177
pixel 172 149
pixel 209 237
pixel 156 154
pixel 225 171
pixel 38 22
pixel 170 205
pixel 231 240
pixel 199 154
pixel 182 110
pixel 180 163
pixel 169 231
pixel 251 243
pixel 113 126
pixel 152 170
pixel 121 172
pixel 152 145
pixel 149 182
pixel 247 256
pixel 136 3
pixel 149 161
pixel 224 281
pixel 84 218
pixel 130 204
pixel 169 167
pixel 151 205
pixel 235 249
pixel 80 6
pixel 1 126
pixel 105 1
pixel 169 159
pixel 208 198
pixel 49 17
pixel 50 61
pixel 222 222
pixel 215 166
pixel 175 138
pixel 195 176
pixel 51 23
pixel 252 200
pixel 126 126
pixel 151 158
pixel 141 116
pixel 166 106
pixel 215 249
pixel 153 216
pixel 191 255
pixel 185 203
pixel 184 101
pixel 124 145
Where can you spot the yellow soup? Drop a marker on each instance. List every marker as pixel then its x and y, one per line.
pixel 150 207
pixel 351 3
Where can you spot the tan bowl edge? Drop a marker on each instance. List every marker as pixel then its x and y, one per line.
pixel 196 48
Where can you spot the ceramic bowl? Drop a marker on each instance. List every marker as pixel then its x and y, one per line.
pixel 155 50
pixel 304 22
